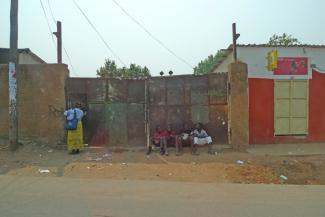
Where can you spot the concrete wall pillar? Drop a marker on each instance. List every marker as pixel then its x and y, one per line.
pixel 238 127
pixel 41 103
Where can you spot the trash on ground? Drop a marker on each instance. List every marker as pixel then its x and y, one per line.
pixel 107 156
pixel 88 167
pixel 283 177
pixel 44 171
pixel 125 164
pixel 240 162
pixel 50 151
pixel 97 159
pixel 215 153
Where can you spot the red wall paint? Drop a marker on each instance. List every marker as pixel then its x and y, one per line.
pixel 261 112
pixel 317 108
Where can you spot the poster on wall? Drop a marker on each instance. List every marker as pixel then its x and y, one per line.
pixel 292 66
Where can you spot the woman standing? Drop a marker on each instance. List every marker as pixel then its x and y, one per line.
pixel 75 131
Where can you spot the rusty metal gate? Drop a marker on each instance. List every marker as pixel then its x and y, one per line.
pixel 117 110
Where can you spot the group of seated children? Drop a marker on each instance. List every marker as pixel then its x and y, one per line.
pixel 187 137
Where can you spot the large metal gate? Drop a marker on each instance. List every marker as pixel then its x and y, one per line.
pixel 120 112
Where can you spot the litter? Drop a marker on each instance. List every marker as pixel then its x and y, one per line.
pixel 50 151
pixel 215 153
pixel 43 171
pixel 283 177
pixel 107 156
pixel 97 159
pixel 88 167
pixel 125 164
pixel 240 162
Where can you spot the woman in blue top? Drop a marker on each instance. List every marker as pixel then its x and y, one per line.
pixel 75 137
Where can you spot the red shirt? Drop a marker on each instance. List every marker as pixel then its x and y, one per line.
pixel 170 134
pixel 158 135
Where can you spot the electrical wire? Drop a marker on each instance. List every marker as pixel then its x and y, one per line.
pixel 48 23
pixel 152 35
pixel 98 33
pixel 65 50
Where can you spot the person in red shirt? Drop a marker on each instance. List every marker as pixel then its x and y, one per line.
pixel 158 139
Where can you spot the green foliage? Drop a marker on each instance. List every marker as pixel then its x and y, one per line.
pixel 283 40
pixel 206 66
pixel 110 70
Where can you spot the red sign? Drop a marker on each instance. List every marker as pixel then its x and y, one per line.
pixel 292 66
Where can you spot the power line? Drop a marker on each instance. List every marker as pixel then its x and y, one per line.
pixel 65 50
pixel 47 21
pixel 51 11
pixel 151 35
pixel 98 33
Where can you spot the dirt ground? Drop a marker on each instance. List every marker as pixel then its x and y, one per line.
pixel 226 166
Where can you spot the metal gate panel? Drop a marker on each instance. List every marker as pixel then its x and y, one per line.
pixel 136 124
pixel 158 116
pixel 218 123
pixel 200 114
pixel 175 91
pixel 97 129
pixel 116 118
pixel 157 91
pixel 177 116
pixel 136 91
pixel 96 90
pixel 116 90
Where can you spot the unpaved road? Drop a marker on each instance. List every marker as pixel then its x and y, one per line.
pixel 72 197
pixel 124 164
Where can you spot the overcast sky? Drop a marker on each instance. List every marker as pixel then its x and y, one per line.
pixel 192 29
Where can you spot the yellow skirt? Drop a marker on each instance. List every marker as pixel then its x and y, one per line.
pixel 75 138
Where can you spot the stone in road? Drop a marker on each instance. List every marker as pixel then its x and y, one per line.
pixel 66 197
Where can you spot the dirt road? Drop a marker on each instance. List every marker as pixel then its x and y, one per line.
pixel 122 164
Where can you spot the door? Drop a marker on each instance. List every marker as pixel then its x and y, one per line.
pixel 291 107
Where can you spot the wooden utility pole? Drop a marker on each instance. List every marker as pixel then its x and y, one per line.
pixel 58 35
pixel 235 36
pixel 12 76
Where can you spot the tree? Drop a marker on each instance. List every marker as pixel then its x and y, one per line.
pixel 206 66
pixel 283 40
pixel 110 70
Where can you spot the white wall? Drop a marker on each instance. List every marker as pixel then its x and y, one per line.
pixel 255 57
pixel 25 58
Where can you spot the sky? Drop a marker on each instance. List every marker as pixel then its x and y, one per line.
pixel 192 29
